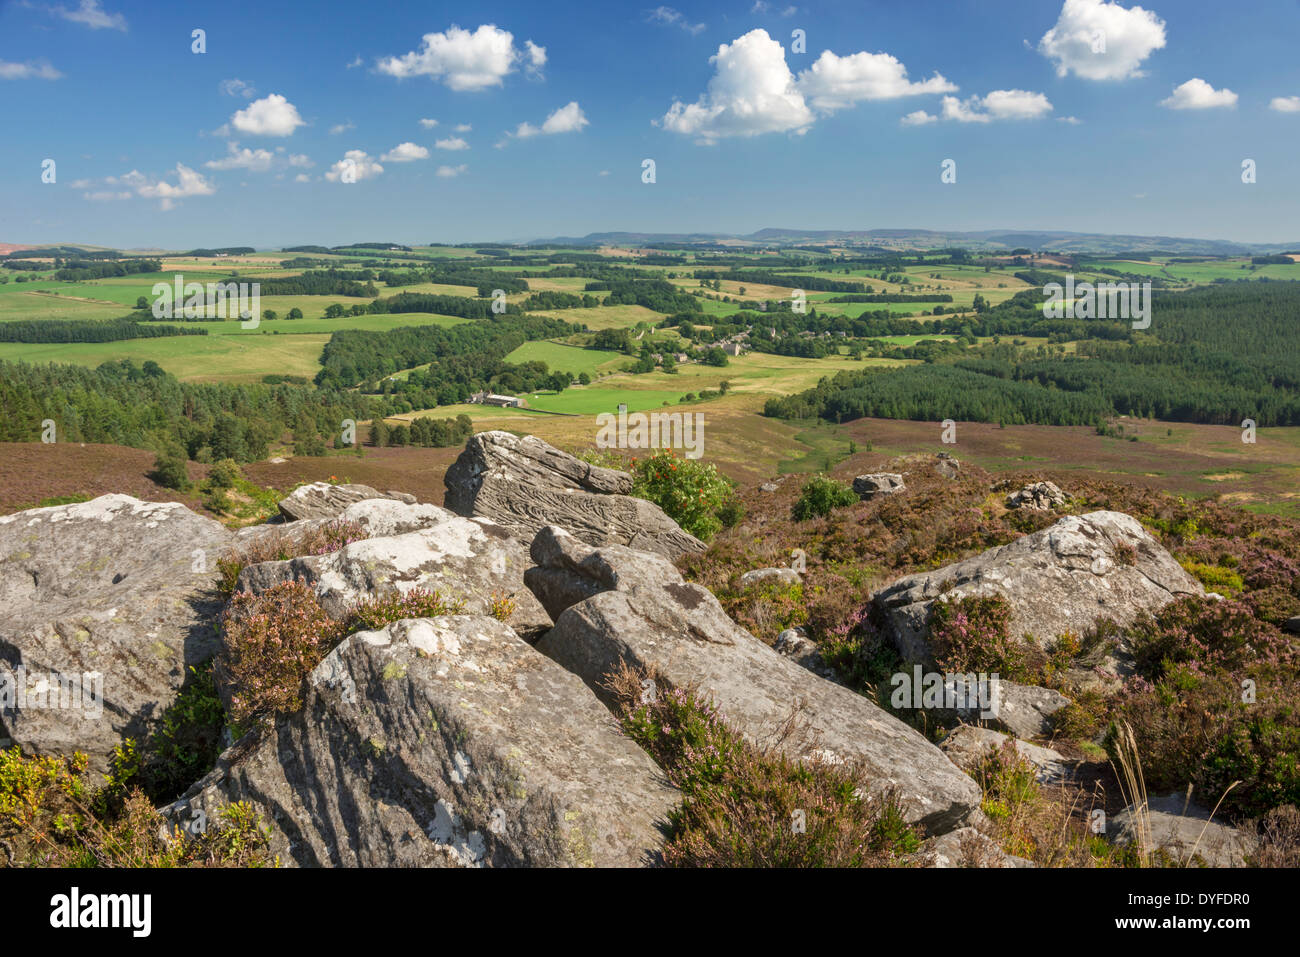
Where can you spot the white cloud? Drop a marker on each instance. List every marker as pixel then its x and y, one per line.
pixel 32 69
pixel 567 119
pixel 835 82
pixel 405 153
pixel 463 128
pixel 448 172
pixel 603 172
pixel 1196 94
pixel 302 178
pixel 257 161
pixel 342 128
pixel 105 195
pixel 762 7
pixel 237 87
pixel 1097 40
pixel 355 62
pixel 270 116
pixel 1285 104
pixel 466 61
pixel 359 161
pixel 998 105
pixel 452 143
pixel 428 124
pixel 753 91
pixel 188 183
pixel 918 118
pixel 1071 120
pixel 670 17
pixel 90 14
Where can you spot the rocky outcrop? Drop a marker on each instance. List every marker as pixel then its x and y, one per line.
pixel 114 596
pixel 323 500
pixel 878 484
pixel 946 466
pixel 1183 831
pixel 472 561
pixel 659 622
pixel 567 570
pixel 524 485
pixel 802 650
pixel 967 746
pixel 443 742
pixel 1038 496
pixel 1064 578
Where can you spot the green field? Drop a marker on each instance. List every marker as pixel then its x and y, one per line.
pixel 561 358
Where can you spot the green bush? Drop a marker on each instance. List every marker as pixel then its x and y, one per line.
pixel 169 472
pixel 691 493
pixel 820 496
pixel 225 474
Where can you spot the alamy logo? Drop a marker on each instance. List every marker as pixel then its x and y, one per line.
pixel 51 691
pixel 947 691
pixel 657 430
pixel 220 300
pixel 1105 300
pixel 134 911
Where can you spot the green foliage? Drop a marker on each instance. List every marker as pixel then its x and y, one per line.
pixel 691 493
pixel 820 496
pixel 169 472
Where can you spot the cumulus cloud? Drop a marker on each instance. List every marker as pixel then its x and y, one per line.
pixel 91 14
pixel 998 105
pixel 449 171
pixel 270 116
pixel 1196 94
pixel 667 16
pixel 188 183
pixel 1097 40
pixel 567 119
pixel 428 124
pixel 256 161
pixel 405 153
pixel 466 61
pixel 338 128
pixel 359 162
pixel 31 70
pixel 1285 104
pixel 463 128
pixel 753 90
pixel 237 87
pixel 918 118
pixel 451 143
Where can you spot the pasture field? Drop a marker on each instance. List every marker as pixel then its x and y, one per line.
pixel 573 359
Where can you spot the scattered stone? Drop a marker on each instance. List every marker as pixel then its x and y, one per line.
pixel 1184 831
pixel 443 742
pixel 776 576
pixel 1292 625
pixel 524 485
pixel 967 745
pixel 947 466
pixel 877 484
pixel 965 847
pixel 1039 496
pixel 1063 578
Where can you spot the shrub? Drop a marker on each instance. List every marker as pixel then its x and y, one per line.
pixel 169 472
pixel 741 804
pixel 820 496
pixel 380 610
pixel 281 546
pixel 971 634
pixel 690 492
pixel 225 474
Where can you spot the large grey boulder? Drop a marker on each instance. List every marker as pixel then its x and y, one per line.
pixel 1064 578
pixel 323 500
pixel 443 742
pixel 116 596
pixel 1182 830
pixel 567 570
pixel 473 561
pixel 680 631
pixel 525 484
pixel 876 484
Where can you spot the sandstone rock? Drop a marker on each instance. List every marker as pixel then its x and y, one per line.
pixel 1063 578
pixel 1292 625
pixel 323 500
pixel 770 576
pixel 769 487
pixel 1039 496
pixel 680 630
pixel 966 847
pixel 947 466
pixel 525 484
pixel 470 560
pixel 1024 711
pixel 1185 831
pixel 443 742
pixel 115 586
pixel 967 745
pixel 568 570
pixel 794 645
pixel 876 484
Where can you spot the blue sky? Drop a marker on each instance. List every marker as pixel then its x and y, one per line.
pixel 1144 132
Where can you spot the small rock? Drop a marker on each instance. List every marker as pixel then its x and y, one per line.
pixel 876 484
pixel 1184 831
pixel 1039 496
pixel 965 847
pixel 781 576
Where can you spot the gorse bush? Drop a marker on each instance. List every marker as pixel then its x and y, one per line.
pixel 746 807
pixel 694 495
pixel 820 496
